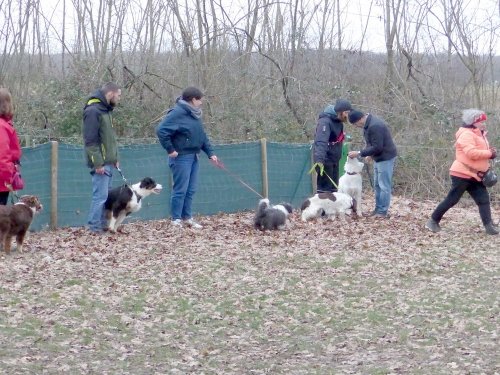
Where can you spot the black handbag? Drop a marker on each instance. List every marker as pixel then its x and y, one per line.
pixel 489 178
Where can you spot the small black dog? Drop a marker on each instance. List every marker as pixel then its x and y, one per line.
pixel 269 217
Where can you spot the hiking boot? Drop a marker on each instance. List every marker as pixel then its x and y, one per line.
pixel 176 223
pixel 193 224
pixel 433 226
pixel 380 215
pixel 491 229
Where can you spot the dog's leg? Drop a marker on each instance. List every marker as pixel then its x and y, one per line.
pixel 359 210
pixel 7 243
pixel 112 224
pixel 20 240
pixel 119 221
pixel 2 241
pixel 309 213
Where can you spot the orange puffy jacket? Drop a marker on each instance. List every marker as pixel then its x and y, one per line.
pixel 472 152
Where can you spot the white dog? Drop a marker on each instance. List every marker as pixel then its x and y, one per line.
pixel 271 217
pixel 351 182
pixel 330 204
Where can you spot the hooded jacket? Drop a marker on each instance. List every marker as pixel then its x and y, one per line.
pixel 183 132
pixel 328 138
pixel 98 134
pixel 10 151
pixel 379 143
pixel 472 152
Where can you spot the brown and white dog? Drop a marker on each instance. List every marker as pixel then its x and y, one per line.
pixel 16 219
pixel 328 204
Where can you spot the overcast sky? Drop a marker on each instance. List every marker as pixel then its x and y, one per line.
pixel 356 16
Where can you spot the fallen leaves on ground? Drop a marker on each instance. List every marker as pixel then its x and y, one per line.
pixel 353 296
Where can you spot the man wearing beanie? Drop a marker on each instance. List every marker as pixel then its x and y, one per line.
pixel 381 148
pixel 327 147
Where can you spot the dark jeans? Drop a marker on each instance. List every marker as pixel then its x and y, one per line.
pixel 323 182
pixel 4 197
pixel 459 186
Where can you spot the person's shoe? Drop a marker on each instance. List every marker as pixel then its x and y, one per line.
pixel 433 226
pixel 176 223
pixel 379 215
pixel 193 224
pixel 491 229
pixel 96 232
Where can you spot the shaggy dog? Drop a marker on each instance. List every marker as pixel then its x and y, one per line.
pixel 329 204
pixel 269 217
pixel 124 200
pixel 351 181
pixel 16 219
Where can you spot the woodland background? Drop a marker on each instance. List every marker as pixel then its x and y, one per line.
pixel 267 70
pixel 365 296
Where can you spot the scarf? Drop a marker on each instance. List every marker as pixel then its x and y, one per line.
pixel 196 112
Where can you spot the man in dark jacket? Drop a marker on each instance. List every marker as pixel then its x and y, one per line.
pixel 381 148
pixel 101 149
pixel 328 142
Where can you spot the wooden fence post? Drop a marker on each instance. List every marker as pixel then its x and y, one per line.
pixel 54 166
pixel 265 181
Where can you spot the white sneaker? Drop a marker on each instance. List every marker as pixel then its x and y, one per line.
pixel 176 223
pixel 193 224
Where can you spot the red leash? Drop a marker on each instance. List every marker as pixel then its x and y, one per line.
pixel 219 164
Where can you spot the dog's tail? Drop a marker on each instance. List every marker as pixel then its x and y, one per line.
pixel 259 214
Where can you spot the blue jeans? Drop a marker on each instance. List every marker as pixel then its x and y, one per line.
pixel 382 181
pixel 185 175
pixel 101 183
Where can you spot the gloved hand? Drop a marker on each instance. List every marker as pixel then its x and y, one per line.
pixel 321 168
pixel 493 152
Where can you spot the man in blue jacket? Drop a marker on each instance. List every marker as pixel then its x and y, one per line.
pixel 182 135
pixel 381 148
pixel 327 147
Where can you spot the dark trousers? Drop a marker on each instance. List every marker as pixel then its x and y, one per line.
pixel 4 197
pixel 459 186
pixel 323 182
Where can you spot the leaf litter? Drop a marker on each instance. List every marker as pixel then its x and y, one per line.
pixel 353 296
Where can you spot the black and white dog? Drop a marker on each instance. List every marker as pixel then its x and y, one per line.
pixel 125 199
pixel 269 217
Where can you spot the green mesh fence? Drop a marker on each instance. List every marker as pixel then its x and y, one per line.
pixel 219 190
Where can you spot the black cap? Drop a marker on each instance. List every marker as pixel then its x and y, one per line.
pixel 355 116
pixel 342 105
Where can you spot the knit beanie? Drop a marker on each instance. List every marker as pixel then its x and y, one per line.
pixel 472 116
pixel 342 105
pixel 355 116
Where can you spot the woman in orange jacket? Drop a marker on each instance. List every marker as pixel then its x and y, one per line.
pixel 10 150
pixel 472 152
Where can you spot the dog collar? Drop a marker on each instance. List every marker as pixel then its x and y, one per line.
pixel 352 173
pixel 139 197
